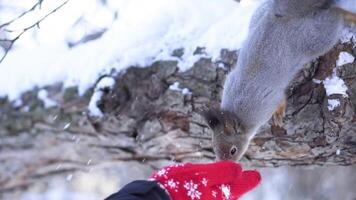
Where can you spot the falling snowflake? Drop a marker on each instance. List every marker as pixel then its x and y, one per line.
pixel 193 193
pixel 204 182
pixel 66 126
pixel 69 177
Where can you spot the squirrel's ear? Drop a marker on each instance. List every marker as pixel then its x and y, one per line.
pixel 213 118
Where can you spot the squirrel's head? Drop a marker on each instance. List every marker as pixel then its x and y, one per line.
pixel 230 139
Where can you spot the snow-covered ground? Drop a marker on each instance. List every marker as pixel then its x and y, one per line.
pixel 138 33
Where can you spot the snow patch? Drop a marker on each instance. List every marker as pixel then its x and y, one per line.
pixel 222 66
pixel 344 58
pixel 317 81
pixel 106 82
pixel 333 103
pixel 93 107
pixel 17 103
pixel 43 96
pixel 186 91
pixel 175 87
pixel 335 85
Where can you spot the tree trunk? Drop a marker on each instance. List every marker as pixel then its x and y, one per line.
pixel 147 123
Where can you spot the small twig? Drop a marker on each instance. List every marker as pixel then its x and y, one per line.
pixel 5 40
pixel 36 24
pixel 7 30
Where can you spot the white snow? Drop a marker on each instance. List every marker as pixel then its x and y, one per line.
pixel 186 91
pixel 106 82
pixel 43 96
pixel 222 66
pixel 338 152
pixel 335 85
pixel 344 58
pixel 317 81
pixel 175 87
pixel 143 32
pixel 93 107
pixel 333 103
pixel 18 103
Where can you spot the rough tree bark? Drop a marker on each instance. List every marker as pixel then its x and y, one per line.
pixel 147 123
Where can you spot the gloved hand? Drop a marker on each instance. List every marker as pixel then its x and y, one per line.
pixel 222 180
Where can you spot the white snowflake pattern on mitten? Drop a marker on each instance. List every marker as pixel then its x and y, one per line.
pixel 172 184
pixel 192 189
pixel 214 193
pixel 163 172
pixel 178 165
pixel 204 181
pixel 226 190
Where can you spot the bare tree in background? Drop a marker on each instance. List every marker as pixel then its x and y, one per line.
pixel 8 43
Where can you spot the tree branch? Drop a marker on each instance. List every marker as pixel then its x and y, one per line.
pixel 36 24
pixel 38 4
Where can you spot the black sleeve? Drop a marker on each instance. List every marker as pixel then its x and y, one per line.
pixel 140 190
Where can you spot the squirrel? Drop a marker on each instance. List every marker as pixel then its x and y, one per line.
pixel 283 36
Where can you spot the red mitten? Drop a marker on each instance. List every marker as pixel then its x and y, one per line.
pixel 205 181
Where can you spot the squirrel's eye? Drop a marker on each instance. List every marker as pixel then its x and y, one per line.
pixel 233 150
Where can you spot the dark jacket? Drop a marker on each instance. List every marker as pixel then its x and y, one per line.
pixel 140 190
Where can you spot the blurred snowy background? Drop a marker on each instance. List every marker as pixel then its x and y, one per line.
pixel 87 38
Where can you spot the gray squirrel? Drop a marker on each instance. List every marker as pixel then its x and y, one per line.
pixel 283 36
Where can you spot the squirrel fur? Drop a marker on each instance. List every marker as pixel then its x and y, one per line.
pixel 283 36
